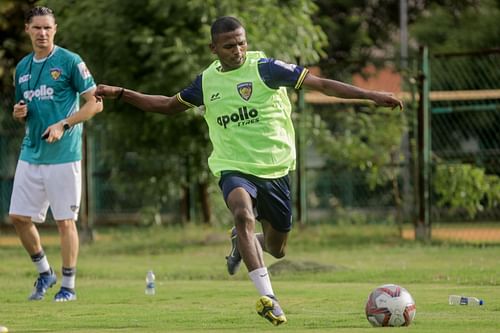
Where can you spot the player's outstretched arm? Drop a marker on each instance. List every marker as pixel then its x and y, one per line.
pixel 344 90
pixel 147 103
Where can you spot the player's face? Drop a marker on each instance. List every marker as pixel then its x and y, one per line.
pixel 231 48
pixel 42 30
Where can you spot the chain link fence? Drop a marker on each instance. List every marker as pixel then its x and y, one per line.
pixel 464 163
pixel 357 158
pixel 465 136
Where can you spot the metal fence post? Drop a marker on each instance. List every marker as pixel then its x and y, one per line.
pixel 86 232
pixel 301 165
pixel 422 222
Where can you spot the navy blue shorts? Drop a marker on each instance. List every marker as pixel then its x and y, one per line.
pixel 271 197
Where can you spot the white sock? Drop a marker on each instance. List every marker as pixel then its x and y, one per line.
pixel 41 263
pixel 261 280
pixel 68 282
pixel 68 277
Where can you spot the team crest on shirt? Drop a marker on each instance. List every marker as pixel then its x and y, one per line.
pixel 245 90
pixel 55 73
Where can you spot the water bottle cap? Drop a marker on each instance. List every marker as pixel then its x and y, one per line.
pixel 481 302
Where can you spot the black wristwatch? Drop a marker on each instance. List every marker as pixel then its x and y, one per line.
pixel 66 126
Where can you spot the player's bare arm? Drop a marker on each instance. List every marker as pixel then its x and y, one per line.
pixel 148 103
pixel 344 90
pixel 90 108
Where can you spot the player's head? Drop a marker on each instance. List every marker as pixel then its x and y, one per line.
pixel 229 42
pixel 40 25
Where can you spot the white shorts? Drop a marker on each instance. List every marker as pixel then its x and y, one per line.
pixel 38 186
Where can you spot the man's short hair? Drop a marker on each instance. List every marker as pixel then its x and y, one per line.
pixel 37 11
pixel 224 24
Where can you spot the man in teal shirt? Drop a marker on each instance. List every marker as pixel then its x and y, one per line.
pixel 48 83
pixel 249 122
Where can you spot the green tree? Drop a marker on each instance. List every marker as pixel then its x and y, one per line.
pixel 367 32
pixel 364 32
pixel 464 186
pixel 13 47
pixel 454 29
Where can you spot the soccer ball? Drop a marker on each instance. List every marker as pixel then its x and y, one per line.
pixel 390 305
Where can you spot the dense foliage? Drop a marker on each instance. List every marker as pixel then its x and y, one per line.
pixel 158 47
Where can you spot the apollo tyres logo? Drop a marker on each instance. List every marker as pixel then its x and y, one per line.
pixel 42 93
pixel 242 118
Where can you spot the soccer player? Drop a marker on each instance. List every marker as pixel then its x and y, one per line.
pixel 48 83
pixel 248 115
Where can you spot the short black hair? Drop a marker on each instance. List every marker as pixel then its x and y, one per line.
pixel 224 24
pixel 38 11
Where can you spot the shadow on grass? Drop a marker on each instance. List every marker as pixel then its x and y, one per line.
pixel 287 266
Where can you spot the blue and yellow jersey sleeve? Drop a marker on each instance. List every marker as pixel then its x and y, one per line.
pixel 274 73
pixel 192 96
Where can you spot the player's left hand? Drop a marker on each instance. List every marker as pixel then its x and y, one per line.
pixel 387 99
pixel 53 133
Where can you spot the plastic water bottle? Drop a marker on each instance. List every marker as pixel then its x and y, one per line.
pixel 150 283
pixel 464 300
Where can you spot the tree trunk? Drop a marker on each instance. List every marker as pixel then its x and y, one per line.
pixel 205 202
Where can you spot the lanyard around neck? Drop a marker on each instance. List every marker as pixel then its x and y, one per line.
pixel 41 69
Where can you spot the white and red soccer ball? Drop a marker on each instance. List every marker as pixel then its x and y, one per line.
pixel 390 305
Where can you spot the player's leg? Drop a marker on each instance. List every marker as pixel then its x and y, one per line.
pixel 228 182
pixel 69 254
pixel 29 203
pixel 274 207
pixel 273 203
pixel 272 241
pixel 64 190
pixel 27 233
pixel 240 204
pixel 240 193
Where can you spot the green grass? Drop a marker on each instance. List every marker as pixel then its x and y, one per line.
pixel 322 284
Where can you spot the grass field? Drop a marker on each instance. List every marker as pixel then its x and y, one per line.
pixel 322 284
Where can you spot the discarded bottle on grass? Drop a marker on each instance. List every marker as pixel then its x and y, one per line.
pixel 150 283
pixel 464 300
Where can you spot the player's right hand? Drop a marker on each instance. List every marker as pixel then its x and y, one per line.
pixel 105 91
pixel 20 110
pixel 387 99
